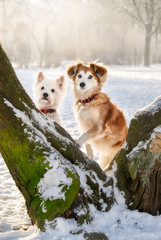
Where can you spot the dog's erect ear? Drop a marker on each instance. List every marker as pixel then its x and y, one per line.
pixel 61 82
pixel 73 69
pixel 39 77
pixel 100 70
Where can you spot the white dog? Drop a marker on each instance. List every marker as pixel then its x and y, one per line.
pixel 48 94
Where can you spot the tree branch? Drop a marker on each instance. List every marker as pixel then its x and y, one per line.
pixel 138 12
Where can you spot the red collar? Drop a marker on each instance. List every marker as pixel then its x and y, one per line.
pixel 45 111
pixel 88 99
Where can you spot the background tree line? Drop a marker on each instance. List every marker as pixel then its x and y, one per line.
pixel 43 33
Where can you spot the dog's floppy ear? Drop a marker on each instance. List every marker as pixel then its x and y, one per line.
pixel 39 77
pixel 100 70
pixel 73 69
pixel 61 82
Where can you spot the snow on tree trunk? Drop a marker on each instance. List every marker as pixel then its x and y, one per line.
pixel 139 170
pixel 54 176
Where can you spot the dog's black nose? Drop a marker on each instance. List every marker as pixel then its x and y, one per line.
pixel 82 84
pixel 45 95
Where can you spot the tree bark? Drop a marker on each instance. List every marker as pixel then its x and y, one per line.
pixel 148 30
pixel 147 14
pixel 139 170
pixel 35 148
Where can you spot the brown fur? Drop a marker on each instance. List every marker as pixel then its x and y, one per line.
pixel 102 123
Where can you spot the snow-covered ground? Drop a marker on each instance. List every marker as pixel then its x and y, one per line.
pixel 131 88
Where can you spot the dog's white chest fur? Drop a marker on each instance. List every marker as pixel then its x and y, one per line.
pixel 103 125
pixel 86 117
pixel 54 116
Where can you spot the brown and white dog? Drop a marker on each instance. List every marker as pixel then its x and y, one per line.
pixel 103 125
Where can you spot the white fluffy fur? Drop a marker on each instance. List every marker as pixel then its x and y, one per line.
pixel 86 78
pixel 54 88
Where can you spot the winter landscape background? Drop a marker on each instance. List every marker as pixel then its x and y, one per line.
pixel 124 35
pixel 44 32
pixel 131 88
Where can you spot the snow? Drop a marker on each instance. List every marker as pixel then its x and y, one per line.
pixel 131 88
pixel 141 145
pixel 53 178
pixel 151 108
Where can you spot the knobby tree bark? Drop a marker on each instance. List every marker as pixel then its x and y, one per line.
pixel 138 169
pixel 36 149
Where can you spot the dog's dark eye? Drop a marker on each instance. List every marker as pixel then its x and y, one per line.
pixel 52 90
pixel 42 88
pixel 79 76
pixel 90 77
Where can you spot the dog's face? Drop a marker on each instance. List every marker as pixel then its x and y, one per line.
pixel 87 78
pixel 48 92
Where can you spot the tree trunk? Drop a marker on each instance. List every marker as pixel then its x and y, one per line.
pixel 139 170
pixel 147 45
pixel 36 149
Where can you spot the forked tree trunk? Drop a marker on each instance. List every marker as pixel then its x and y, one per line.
pixel 139 170
pixel 35 149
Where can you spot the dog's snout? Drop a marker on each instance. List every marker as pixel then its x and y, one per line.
pixel 82 84
pixel 45 95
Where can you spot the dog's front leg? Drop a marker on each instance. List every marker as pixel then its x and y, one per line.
pixel 90 134
pixel 82 139
pixel 89 150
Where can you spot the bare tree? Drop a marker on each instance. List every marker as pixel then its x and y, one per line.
pixel 147 13
pixel 7 11
pixel 54 31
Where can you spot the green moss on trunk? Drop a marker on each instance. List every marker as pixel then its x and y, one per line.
pixel 138 168
pixel 29 148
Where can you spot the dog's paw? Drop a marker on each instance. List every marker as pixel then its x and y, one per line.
pixel 77 143
pixel 80 141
